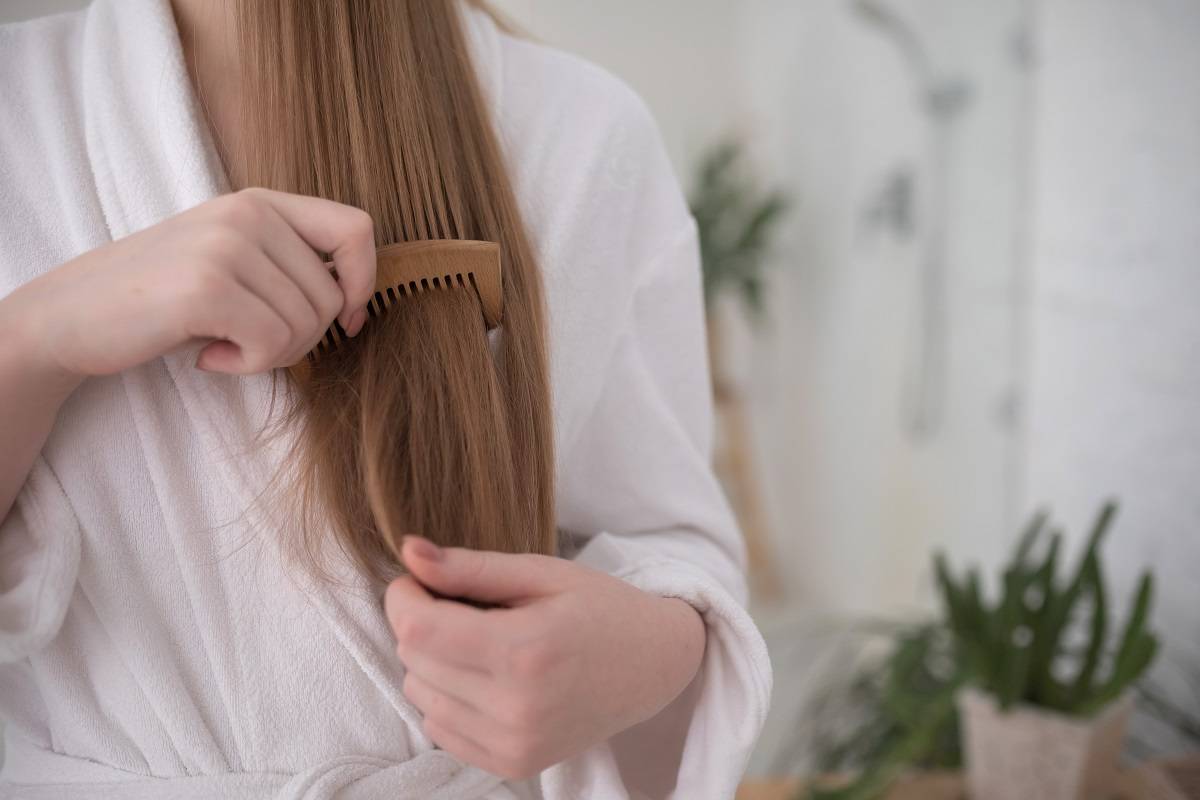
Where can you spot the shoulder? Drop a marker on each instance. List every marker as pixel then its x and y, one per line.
pixel 563 88
pixel 584 150
pixel 577 110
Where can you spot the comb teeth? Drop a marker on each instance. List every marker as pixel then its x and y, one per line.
pixel 411 268
pixel 383 300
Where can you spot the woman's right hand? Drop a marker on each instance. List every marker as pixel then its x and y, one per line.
pixel 242 269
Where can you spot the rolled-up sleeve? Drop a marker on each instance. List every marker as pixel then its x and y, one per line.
pixel 639 493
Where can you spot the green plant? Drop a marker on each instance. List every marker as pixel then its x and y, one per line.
pixel 1034 644
pixel 896 714
pixel 1020 649
pixel 735 219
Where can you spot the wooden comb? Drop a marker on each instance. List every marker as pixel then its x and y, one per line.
pixel 409 268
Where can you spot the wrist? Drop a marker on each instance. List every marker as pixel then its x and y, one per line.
pixel 690 636
pixel 22 347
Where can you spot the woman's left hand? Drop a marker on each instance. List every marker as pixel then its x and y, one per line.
pixel 574 656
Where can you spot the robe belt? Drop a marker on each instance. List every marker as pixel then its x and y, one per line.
pixel 35 773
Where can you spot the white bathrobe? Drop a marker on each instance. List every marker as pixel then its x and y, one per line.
pixel 151 646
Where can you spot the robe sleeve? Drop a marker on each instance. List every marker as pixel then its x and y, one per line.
pixel 639 487
pixel 39 562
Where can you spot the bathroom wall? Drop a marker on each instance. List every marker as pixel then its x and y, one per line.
pixel 1114 387
pixel 836 115
pixel 14 10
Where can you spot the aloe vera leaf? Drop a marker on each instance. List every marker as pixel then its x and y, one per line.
pixel 1015 679
pixel 1141 656
pixel 1043 645
pixel 1002 633
pixel 1136 650
pixel 1135 624
pixel 1029 536
pixel 957 617
pixel 1082 687
pixel 978 622
pixel 1048 570
pixel 950 592
pixel 1060 613
pixel 1012 679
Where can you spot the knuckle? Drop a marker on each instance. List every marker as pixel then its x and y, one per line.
pixel 475 569
pixel 530 660
pixel 522 715
pixel 222 245
pixel 393 597
pixel 362 225
pixel 329 304
pixel 244 209
pixel 256 193
pixel 277 336
pixel 313 326
pixel 207 283
pixel 412 631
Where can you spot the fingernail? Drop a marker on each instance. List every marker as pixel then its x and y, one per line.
pixel 357 319
pixel 425 548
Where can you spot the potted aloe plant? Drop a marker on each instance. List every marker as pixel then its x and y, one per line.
pixel 1030 692
pixel 1046 697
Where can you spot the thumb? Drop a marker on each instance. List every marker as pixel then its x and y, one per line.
pixel 487 575
pixel 220 356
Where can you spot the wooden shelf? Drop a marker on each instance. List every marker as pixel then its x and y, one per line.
pixel 1143 783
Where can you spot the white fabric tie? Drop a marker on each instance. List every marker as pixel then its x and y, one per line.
pixel 432 775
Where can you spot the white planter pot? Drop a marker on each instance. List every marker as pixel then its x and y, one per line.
pixel 1030 753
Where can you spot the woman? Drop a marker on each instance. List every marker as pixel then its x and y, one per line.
pixel 154 639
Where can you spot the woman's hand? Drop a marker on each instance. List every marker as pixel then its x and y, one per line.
pixel 576 657
pixel 242 269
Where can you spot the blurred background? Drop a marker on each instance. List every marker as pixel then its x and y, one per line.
pixel 952 253
pixel 981 297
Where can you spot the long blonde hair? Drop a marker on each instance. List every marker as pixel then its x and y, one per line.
pixel 416 426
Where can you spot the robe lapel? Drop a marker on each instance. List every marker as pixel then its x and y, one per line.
pixel 154 157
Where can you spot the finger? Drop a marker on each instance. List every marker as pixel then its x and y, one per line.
pixel 487 575
pixel 345 232
pixel 304 267
pixel 256 332
pixel 404 595
pixel 471 686
pixel 444 630
pixel 448 710
pixel 450 632
pixel 265 280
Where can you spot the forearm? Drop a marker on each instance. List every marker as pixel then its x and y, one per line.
pixel 31 392
pixel 683 631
